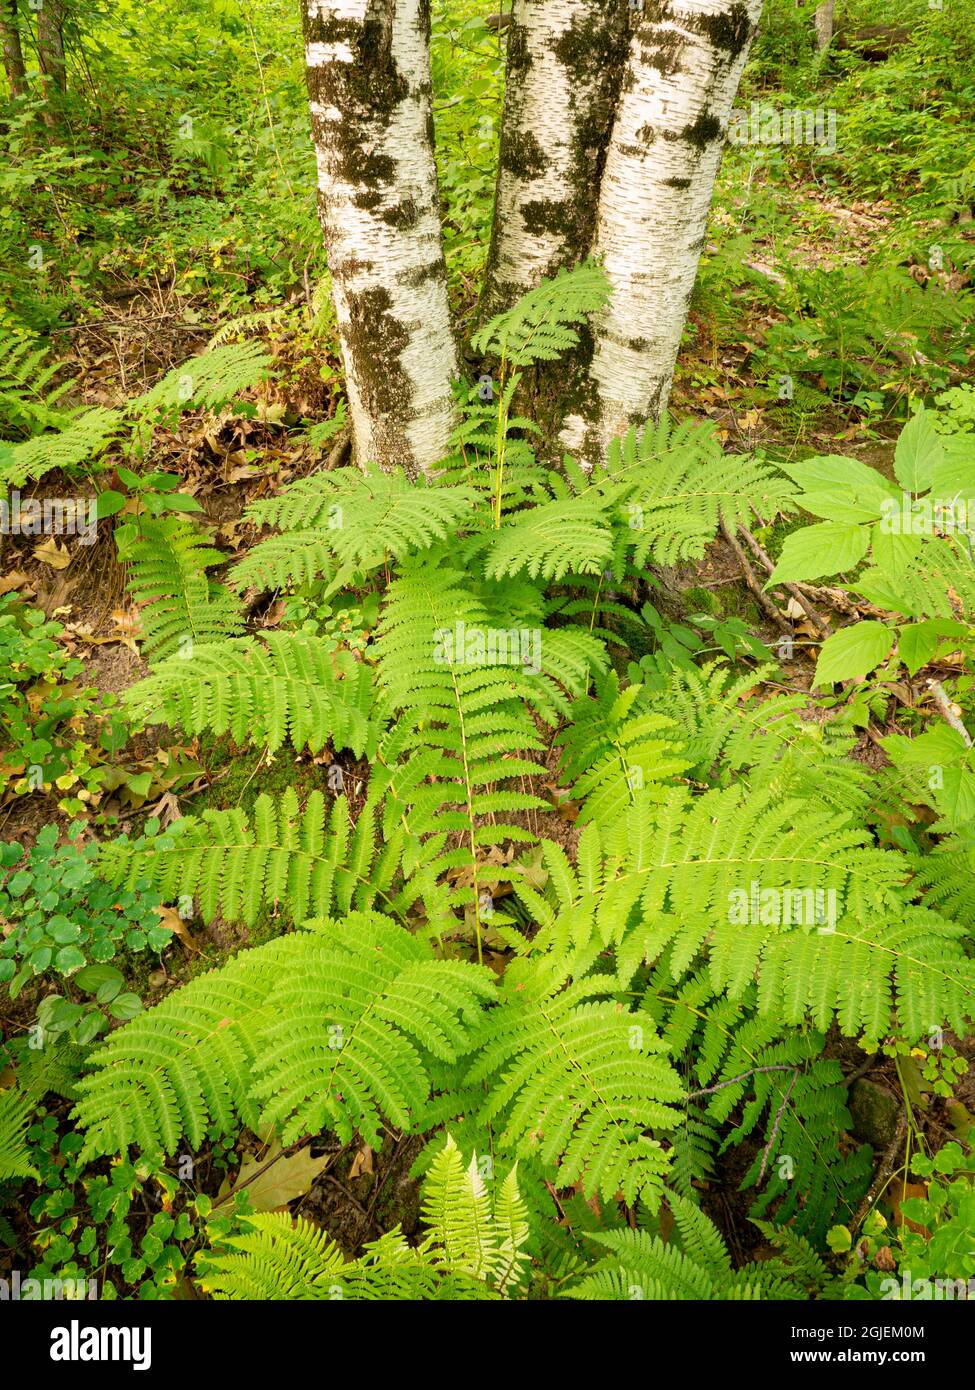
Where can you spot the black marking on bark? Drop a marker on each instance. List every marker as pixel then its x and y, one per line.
pixel 523 156
pixel 730 31
pixel 677 183
pixel 376 341
pixel 703 130
pixel 404 215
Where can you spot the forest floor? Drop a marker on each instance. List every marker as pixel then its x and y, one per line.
pixel 736 347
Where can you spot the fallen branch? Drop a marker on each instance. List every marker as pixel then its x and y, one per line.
pixel 748 574
pixel 948 711
pixel 821 627
pixel 710 1090
pixel 775 1128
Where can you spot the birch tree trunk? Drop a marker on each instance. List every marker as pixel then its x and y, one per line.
pixel 685 64
pixel 823 22
pixel 50 46
pixel 564 68
pixel 13 53
pixel 368 67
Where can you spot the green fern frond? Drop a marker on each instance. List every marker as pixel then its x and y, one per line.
pixel 569 535
pixel 180 607
pixel 673 486
pixel 470 1234
pixel 206 382
pixel 610 756
pixel 15 1110
pixel 472 1250
pixel 287 686
pixel 577 1082
pixel 28 402
pixel 357 520
pixel 725 725
pixel 695 1266
pixel 337 1025
pixel 240 865
pixel 79 441
pixel 276 1259
pixel 542 326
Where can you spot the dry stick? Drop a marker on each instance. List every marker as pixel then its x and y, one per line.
pixel 342 442
pixel 945 706
pixel 886 1169
pixel 710 1090
pixel 800 598
pixel 778 1121
pixel 748 574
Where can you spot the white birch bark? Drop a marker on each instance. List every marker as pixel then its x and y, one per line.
pixel 823 22
pixel 564 66
pixel 368 65
pixel 685 64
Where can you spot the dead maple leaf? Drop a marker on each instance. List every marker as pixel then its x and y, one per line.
pixel 50 552
pixel 169 917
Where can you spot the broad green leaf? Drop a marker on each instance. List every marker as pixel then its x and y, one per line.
pixel 108 503
pixel 828 472
pixel 956 800
pixel 891 552
pixel 917 643
pixel 853 651
pixel 830 548
pixel 918 453
pixel 843 505
pixel 881 589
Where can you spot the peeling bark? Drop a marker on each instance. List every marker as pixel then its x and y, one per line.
pixel 565 65
pixel 13 54
pixel 685 64
pixel 368 67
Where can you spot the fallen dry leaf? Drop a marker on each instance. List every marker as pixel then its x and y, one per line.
pixel 169 917
pixel 281 1183
pixel 16 579
pixel 50 552
pixel 362 1163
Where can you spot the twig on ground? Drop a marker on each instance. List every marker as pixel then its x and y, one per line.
pixel 948 711
pixel 748 574
pixel 754 1071
pixel 775 1128
pixel 794 589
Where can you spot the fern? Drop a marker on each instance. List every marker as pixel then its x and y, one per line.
pixel 28 401
pixel 349 521
pixel 694 1266
pixel 542 326
pixel 574 1084
pixel 610 755
pixel 241 866
pixel 15 1109
pixel 770 1079
pixel 673 486
pixel 476 1237
pixel 206 382
pixel 80 440
pixel 180 607
pixel 285 686
pixel 727 729
pixel 472 1249
pixel 337 1025
pixel 275 1259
